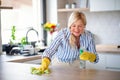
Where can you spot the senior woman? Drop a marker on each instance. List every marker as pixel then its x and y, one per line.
pixel 65 48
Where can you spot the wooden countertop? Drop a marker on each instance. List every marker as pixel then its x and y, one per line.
pixel 20 71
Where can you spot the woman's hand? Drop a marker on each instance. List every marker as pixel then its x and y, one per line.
pixel 44 65
pixel 87 56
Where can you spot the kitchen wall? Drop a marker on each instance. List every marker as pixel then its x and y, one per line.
pixel 105 26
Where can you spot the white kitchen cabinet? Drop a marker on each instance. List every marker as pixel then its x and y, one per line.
pixel 113 62
pixel 102 5
pixel 100 65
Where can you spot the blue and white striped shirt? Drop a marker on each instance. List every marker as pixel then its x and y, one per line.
pixel 61 48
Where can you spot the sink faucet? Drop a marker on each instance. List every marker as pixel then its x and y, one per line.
pixel 31 29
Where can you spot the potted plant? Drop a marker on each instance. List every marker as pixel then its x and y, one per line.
pixel 13 37
pixel 12 41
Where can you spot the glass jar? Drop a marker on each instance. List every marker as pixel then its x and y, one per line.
pixel 67 6
pixel 73 5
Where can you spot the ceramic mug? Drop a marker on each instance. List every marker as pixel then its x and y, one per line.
pixel 73 5
pixel 67 6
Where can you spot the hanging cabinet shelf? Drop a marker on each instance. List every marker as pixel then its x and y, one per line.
pixel 5 7
pixel 75 9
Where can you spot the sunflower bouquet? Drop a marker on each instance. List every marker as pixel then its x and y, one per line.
pixel 51 27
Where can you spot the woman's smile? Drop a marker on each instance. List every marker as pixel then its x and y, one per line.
pixel 77 28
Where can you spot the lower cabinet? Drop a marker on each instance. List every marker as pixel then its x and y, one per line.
pixel 113 62
pixel 107 61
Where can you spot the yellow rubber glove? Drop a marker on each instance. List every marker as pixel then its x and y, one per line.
pixel 43 69
pixel 84 55
pixel 44 65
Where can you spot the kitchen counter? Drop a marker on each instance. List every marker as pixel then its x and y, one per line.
pixel 19 71
pixel 107 49
pixel 104 48
pixel 11 69
pixel 18 58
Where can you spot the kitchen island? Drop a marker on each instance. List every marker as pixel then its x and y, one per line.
pixel 20 71
pixel 14 68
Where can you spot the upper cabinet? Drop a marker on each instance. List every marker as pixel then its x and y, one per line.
pixel 104 5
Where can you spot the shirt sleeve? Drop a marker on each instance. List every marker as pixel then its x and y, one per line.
pixel 52 49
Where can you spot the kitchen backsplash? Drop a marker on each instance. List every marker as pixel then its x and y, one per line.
pixel 105 26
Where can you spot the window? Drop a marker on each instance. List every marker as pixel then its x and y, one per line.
pixel 25 14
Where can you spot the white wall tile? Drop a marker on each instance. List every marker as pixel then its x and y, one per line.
pixel 105 26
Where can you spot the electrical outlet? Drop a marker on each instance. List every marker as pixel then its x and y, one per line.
pixel 118 46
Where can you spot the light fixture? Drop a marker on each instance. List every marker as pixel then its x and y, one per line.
pixel 5 7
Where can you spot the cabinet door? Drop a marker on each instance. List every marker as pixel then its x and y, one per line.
pixel 102 5
pixel 113 62
pixel 100 65
pixel 117 4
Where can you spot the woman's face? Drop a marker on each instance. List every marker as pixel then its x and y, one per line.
pixel 77 28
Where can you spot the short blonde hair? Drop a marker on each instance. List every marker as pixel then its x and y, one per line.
pixel 75 16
